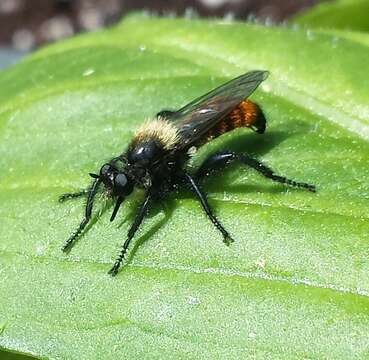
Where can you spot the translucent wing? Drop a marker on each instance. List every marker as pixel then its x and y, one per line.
pixel 200 115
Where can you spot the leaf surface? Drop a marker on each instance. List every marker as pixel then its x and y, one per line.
pixel 295 282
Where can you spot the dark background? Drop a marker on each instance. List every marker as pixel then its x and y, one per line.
pixel 26 24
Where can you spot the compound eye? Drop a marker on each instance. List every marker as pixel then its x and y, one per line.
pixel 105 170
pixel 120 181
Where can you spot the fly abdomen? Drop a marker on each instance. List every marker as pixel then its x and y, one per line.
pixel 246 114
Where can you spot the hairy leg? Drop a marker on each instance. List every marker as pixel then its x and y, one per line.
pixel 134 227
pixel 204 202
pixel 69 196
pixel 88 210
pixel 222 159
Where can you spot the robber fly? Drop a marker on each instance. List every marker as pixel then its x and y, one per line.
pixel 156 157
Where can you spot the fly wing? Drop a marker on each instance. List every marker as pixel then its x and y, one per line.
pixel 200 115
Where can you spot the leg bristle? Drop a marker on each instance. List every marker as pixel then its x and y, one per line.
pixel 69 196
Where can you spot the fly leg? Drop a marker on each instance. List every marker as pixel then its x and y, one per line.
pixel 204 202
pixel 142 211
pixel 69 196
pixel 88 210
pixel 220 160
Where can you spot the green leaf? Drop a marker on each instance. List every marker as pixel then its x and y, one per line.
pixel 338 14
pixel 295 282
pixel 4 355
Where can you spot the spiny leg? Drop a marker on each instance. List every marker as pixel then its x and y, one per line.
pixel 269 173
pixel 204 202
pixel 134 227
pixel 88 210
pixel 220 160
pixel 69 196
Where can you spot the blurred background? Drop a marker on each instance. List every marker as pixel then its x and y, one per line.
pixel 28 24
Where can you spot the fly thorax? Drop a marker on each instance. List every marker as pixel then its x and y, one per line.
pixel 145 152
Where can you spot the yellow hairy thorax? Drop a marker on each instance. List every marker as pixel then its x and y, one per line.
pixel 159 129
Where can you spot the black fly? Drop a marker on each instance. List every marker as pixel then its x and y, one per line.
pixel 156 157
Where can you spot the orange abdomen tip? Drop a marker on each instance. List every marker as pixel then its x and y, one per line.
pixel 246 114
